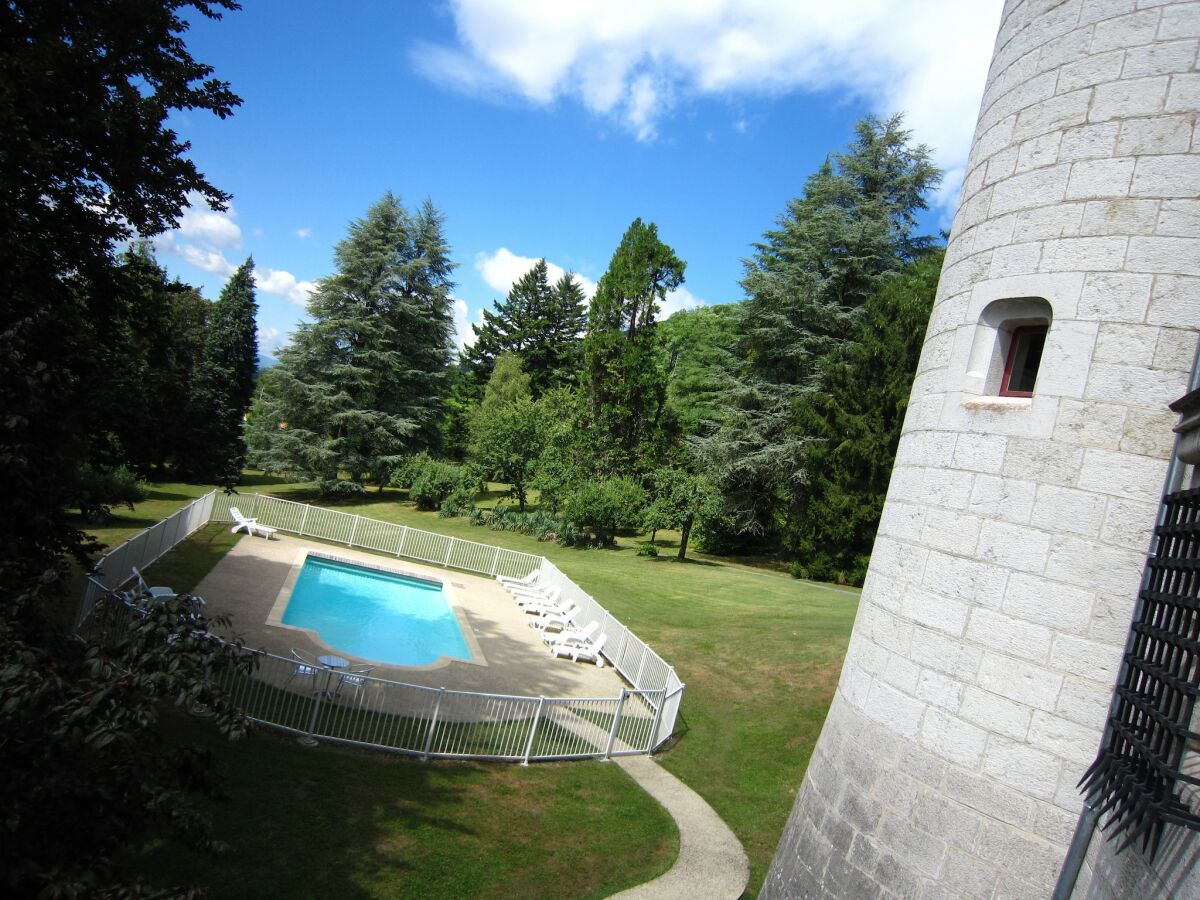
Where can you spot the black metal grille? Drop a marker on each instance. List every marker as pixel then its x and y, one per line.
pixel 1136 779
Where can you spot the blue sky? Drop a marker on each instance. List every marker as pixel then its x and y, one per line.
pixel 544 127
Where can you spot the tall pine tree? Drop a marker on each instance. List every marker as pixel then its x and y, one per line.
pixel 363 384
pixel 541 323
pixel 624 382
pixel 834 246
pixel 223 383
pixel 854 427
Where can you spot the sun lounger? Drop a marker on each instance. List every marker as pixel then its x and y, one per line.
pixel 582 652
pixel 251 525
pixel 141 592
pixel 555 621
pixel 571 637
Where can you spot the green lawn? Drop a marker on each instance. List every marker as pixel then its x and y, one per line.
pixel 760 653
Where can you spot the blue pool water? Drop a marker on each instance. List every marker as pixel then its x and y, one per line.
pixel 375 615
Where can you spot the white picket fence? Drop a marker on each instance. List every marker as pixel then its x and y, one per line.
pixel 428 722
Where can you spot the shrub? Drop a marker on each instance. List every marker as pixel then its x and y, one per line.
pixel 647 548
pixel 430 482
pixel 99 488
pixel 461 502
pixel 603 506
pixel 336 487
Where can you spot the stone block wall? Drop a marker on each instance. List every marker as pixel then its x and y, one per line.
pixel 1003 579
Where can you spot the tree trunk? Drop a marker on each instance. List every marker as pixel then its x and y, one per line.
pixel 683 537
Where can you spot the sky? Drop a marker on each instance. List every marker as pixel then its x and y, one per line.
pixel 542 128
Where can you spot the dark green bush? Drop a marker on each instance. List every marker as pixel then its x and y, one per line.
pixel 99 488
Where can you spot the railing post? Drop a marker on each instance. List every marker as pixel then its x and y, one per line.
pixel 254 505
pixel 353 531
pixel 495 561
pixel 537 715
pixel 612 735
pixel 304 519
pixel 637 682
pixel 403 538
pixel 449 550
pixel 437 708
pixel 308 740
pixel 662 701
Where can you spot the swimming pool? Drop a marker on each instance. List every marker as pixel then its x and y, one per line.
pixel 372 614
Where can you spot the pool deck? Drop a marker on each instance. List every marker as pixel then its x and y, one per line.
pixel 246 585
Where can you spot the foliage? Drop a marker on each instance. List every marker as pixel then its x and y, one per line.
pixel 506 438
pixel 603 506
pixel 80 725
pixel 855 424
pixel 566 455
pixel 362 385
pixel 224 383
pixel 99 488
pixel 677 499
pixel 430 481
pixel 147 336
pixel 339 487
pixel 540 323
pixel 647 548
pixel 833 248
pixel 624 381
pixel 86 162
pixel 698 344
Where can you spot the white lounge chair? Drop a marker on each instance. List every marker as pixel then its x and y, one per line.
pixel 530 579
pixel 582 652
pixel 555 621
pixel 549 600
pixel 572 637
pixel 251 525
pixel 142 591
pixel 533 590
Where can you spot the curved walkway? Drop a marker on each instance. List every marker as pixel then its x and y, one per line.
pixel 711 862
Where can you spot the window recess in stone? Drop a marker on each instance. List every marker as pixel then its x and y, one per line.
pixel 1006 349
pixel 1142 781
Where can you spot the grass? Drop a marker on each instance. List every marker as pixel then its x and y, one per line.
pixel 359 825
pixel 760 653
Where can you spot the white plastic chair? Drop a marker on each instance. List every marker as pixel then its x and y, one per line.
pixel 145 591
pixel 555 621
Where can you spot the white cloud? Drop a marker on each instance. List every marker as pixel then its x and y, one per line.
pixel 283 284
pixel 634 60
pixel 270 340
pixel 202 237
pixel 464 334
pixel 303 233
pixel 676 300
pixel 501 269
pixel 208 227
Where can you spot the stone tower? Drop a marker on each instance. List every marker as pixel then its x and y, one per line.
pixel 998 601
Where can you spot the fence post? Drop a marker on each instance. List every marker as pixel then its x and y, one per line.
pixel 449 550
pixel 495 561
pixel 537 715
pixel 304 519
pixel 612 735
pixel 403 538
pixel 254 505
pixel 637 682
pixel 662 701
pixel 437 707
pixel 308 740
pixel 353 531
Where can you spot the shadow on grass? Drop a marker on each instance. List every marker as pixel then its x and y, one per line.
pixel 155 494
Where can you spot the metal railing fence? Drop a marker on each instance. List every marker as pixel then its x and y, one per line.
pixel 113 570
pixel 428 722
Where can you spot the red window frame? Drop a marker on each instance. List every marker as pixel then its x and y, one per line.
pixel 1014 345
